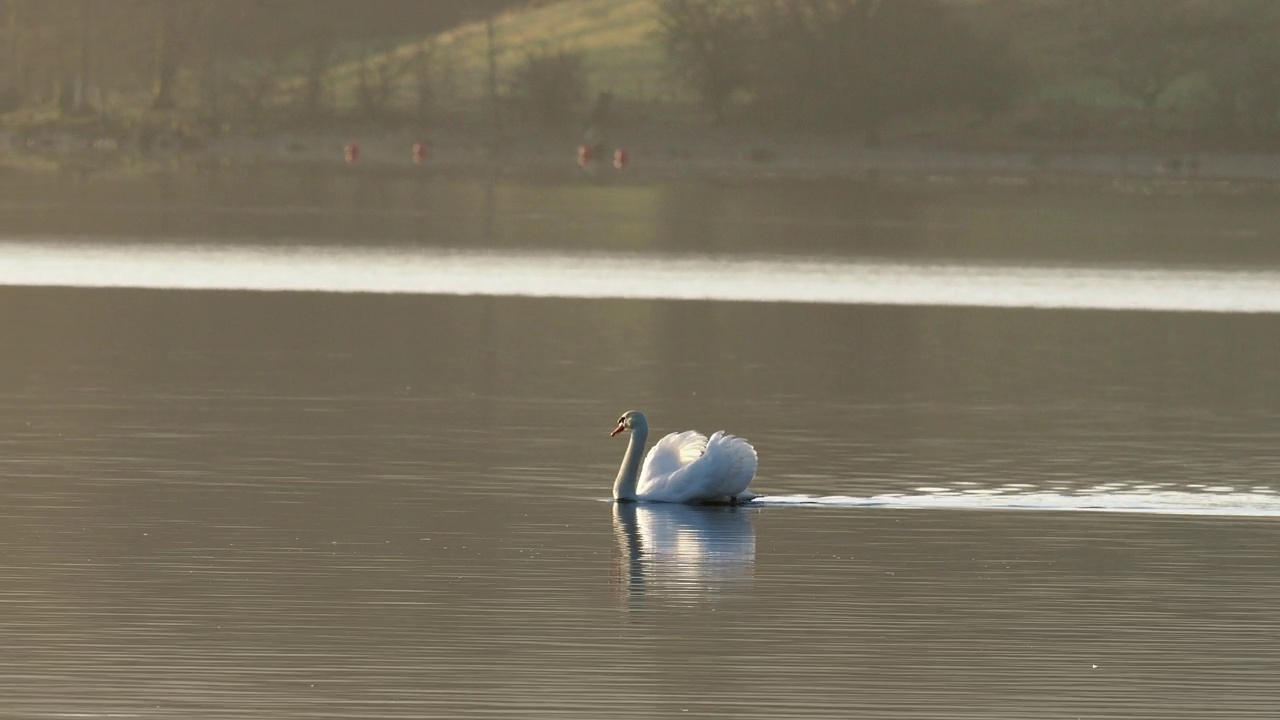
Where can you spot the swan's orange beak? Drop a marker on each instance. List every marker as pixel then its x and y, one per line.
pixel 618 429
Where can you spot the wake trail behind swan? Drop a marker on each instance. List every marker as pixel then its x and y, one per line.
pixel 1258 502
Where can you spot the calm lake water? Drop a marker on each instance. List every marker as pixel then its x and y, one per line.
pixel 1020 451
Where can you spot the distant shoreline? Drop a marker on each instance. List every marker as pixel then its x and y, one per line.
pixel 659 152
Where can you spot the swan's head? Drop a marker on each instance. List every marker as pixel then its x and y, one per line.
pixel 630 420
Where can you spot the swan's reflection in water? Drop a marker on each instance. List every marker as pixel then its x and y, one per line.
pixel 684 552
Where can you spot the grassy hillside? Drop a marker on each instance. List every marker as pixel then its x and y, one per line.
pixel 617 38
pixel 623 52
pixel 1066 81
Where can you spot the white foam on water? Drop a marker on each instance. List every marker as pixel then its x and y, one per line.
pixel 304 268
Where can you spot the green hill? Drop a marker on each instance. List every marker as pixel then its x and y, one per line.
pixel 622 53
pixel 616 37
pixel 1057 72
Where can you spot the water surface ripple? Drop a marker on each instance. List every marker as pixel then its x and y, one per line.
pixel 380 496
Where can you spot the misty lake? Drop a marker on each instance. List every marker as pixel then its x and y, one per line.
pixel 300 443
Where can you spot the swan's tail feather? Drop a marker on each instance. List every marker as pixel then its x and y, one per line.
pixel 736 462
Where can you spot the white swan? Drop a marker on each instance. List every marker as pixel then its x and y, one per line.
pixel 683 467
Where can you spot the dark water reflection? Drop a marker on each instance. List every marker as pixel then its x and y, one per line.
pixel 247 505
pixel 568 211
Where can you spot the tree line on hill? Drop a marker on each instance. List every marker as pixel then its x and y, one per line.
pixel 71 54
pixel 1204 70
pixel 1201 71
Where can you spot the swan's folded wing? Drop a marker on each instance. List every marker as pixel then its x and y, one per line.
pixel 725 468
pixel 668 456
pixel 733 462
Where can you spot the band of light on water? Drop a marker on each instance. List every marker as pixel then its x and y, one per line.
pixel 603 275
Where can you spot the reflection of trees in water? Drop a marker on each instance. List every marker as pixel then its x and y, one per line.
pixel 369 199
pixel 687 553
pixel 489 206
pixel 688 216
pixel 166 200
pixel 788 216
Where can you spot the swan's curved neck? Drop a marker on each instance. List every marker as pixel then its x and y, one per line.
pixel 624 487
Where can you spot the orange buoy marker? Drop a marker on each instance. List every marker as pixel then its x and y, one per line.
pixel 419 153
pixel 351 152
pixel 621 158
pixel 586 155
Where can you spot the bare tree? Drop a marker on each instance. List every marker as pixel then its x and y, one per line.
pixel 10 95
pixel 41 37
pixel 321 42
pixel 176 24
pixel 376 83
pixel 856 64
pixel 1144 46
pixel 1242 64
pixel 424 75
pixel 551 85
pixel 707 42
pixel 254 85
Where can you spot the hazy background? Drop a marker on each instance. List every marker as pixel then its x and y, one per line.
pixel 1173 76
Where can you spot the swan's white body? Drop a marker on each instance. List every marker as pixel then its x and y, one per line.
pixel 684 467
